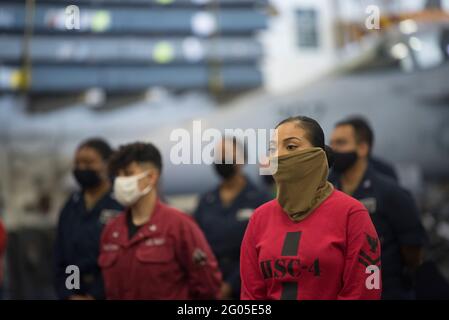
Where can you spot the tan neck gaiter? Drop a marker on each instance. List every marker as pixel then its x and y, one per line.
pixel 301 182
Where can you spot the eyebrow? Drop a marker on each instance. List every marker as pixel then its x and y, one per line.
pixel 273 143
pixel 291 138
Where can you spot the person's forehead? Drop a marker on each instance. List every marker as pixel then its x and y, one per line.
pixel 344 130
pixel 135 166
pixel 290 129
pixel 228 145
pixel 87 152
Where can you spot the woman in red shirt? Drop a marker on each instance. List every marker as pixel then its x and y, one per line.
pixel 312 241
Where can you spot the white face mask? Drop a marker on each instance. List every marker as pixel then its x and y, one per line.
pixel 126 189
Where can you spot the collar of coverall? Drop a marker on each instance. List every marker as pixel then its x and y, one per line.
pixel 147 230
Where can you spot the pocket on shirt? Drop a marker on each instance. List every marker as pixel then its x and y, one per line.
pixel 155 254
pixel 107 259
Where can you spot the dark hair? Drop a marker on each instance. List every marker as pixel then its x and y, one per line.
pixel 314 134
pixel 99 145
pixel 362 129
pixel 139 152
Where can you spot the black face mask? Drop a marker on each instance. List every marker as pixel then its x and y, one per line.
pixel 87 178
pixel 344 160
pixel 225 170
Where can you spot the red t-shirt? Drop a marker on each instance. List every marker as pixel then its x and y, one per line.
pixel 168 258
pixel 325 256
pixel 2 249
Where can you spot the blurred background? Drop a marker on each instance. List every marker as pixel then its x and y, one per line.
pixel 129 70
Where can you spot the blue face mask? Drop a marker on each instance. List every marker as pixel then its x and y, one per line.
pixel 344 160
pixel 87 178
pixel 225 170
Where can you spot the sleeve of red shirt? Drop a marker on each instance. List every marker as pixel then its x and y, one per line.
pixel 2 249
pixel 204 276
pixel 362 250
pixel 253 285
